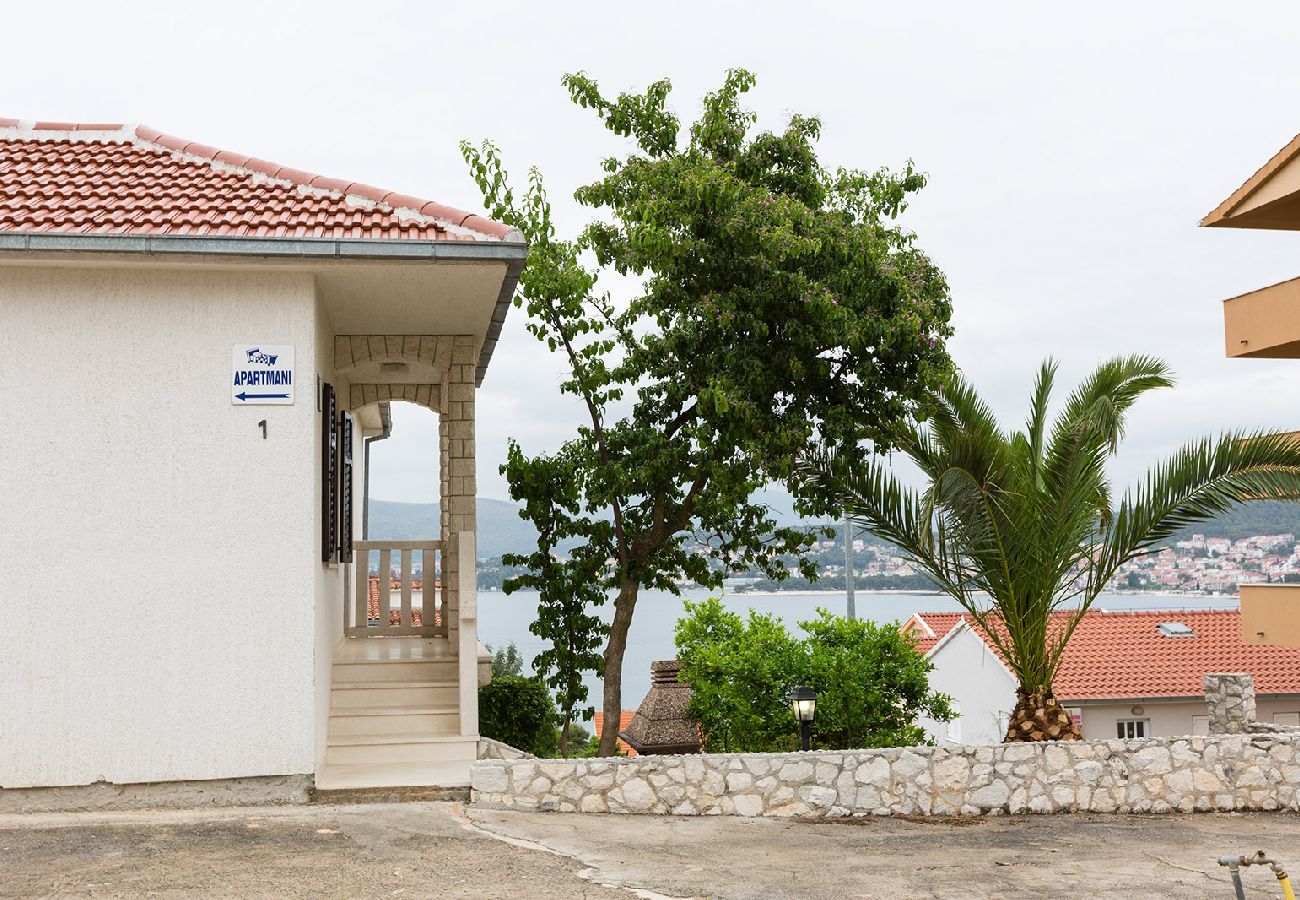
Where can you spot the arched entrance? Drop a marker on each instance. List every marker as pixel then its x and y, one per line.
pixel 404 690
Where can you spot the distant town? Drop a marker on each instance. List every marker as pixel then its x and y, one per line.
pixel 1200 564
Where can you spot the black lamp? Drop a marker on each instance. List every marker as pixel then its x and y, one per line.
pixel 803 700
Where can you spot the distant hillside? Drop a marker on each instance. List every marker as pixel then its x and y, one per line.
pixel 1261 517
pixel 500 530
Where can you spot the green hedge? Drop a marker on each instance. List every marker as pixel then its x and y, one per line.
pixel 518 711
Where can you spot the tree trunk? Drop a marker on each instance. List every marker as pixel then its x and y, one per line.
pixel 1039 717
pixel 614 650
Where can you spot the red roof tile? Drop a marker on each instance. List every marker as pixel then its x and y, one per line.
pixel 114 179
pixel 623 721
pixel 395 589
pixel 1123 654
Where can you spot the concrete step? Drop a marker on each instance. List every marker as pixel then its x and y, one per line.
pixel 384 749
pixel 429 720
pixel 436 774
pixel 395 670
pixel 372 694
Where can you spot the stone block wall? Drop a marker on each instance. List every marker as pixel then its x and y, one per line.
pixel 493 749
pixel 457 476
pixel 1230 697
pixel 1228 772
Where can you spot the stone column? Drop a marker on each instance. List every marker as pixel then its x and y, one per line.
pixel 459 482
pixel 1231 699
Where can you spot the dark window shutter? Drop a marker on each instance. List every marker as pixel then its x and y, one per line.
pixel 345 488
pixel 329 494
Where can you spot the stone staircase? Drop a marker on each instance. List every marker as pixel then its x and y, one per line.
pixel 394 719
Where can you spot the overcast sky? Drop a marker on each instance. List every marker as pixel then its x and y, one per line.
pixel 1071 151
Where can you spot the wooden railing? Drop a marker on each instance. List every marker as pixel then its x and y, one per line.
pixel 373 613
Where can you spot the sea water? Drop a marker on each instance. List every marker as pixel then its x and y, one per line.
pixel 505 618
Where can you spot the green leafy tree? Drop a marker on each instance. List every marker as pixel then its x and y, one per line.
pixel 1026 518
pixel 518 711
pixel 871 682
pixel 780 307
pixel 739 671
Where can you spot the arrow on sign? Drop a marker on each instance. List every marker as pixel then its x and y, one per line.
pixel 243 396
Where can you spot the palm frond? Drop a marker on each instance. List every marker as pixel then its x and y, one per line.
pixel 1203 480
pixel 1027 517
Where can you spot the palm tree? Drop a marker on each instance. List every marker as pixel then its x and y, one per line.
pixel 1020 528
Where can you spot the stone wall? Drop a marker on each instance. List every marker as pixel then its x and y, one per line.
pixel 1228 772
pixel 494 749
pixel 1230 697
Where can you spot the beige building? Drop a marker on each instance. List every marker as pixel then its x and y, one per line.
pixel 1265 323
pixel 194 346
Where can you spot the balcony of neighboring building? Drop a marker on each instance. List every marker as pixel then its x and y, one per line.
pixel 1264 323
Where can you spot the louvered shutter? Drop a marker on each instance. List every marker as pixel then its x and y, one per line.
pixel 345 488
pixel 329 494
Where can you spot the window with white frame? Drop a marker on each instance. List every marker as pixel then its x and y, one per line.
pixel 1200 725
pixel 1288 718
pixel 1132 728
pixel 954 724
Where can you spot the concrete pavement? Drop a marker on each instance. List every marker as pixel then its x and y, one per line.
pixel 425 849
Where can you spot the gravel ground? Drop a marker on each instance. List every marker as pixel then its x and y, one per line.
pixel 406 850
pixel 437 850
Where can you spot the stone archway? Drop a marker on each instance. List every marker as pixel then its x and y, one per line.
pixel 411 367
pixel 437 372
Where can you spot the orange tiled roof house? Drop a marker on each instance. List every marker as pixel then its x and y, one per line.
pixel 195 347
pixel 1123 674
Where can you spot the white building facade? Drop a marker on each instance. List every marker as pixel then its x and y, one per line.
pixel 208 621
pixel 1123 674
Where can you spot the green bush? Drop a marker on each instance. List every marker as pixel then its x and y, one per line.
pixel 872 685
pixel 518 711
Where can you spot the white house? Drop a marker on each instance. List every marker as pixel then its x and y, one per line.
pixel 1123 674
pixel 193 346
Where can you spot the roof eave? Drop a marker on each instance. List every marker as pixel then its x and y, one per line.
pixel 1221 215
pixel 511 252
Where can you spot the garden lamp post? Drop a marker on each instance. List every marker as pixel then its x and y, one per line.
pixel 803 700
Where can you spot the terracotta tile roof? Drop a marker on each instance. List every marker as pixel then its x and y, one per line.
pixel 929 628
pixel 625 719
pixel 1123 654
pixel 395 615
pixel 116 179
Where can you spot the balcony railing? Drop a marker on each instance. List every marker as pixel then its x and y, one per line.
pixel 392 601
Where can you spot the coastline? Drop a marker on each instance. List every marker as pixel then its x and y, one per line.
pixel 840 593
pixel 916 592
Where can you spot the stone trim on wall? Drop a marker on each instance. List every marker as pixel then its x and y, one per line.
pixel 1230 697
pixel 494 749
pixel 104 796
pixel 1156 775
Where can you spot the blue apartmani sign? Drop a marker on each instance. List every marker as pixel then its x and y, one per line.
pixel 261 375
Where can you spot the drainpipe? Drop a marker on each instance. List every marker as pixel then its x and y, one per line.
pixel 386 418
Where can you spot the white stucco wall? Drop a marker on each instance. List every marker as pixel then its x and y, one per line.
pixel 985 693
pixel 1166 718
pixel 160 556
pixel 330 582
